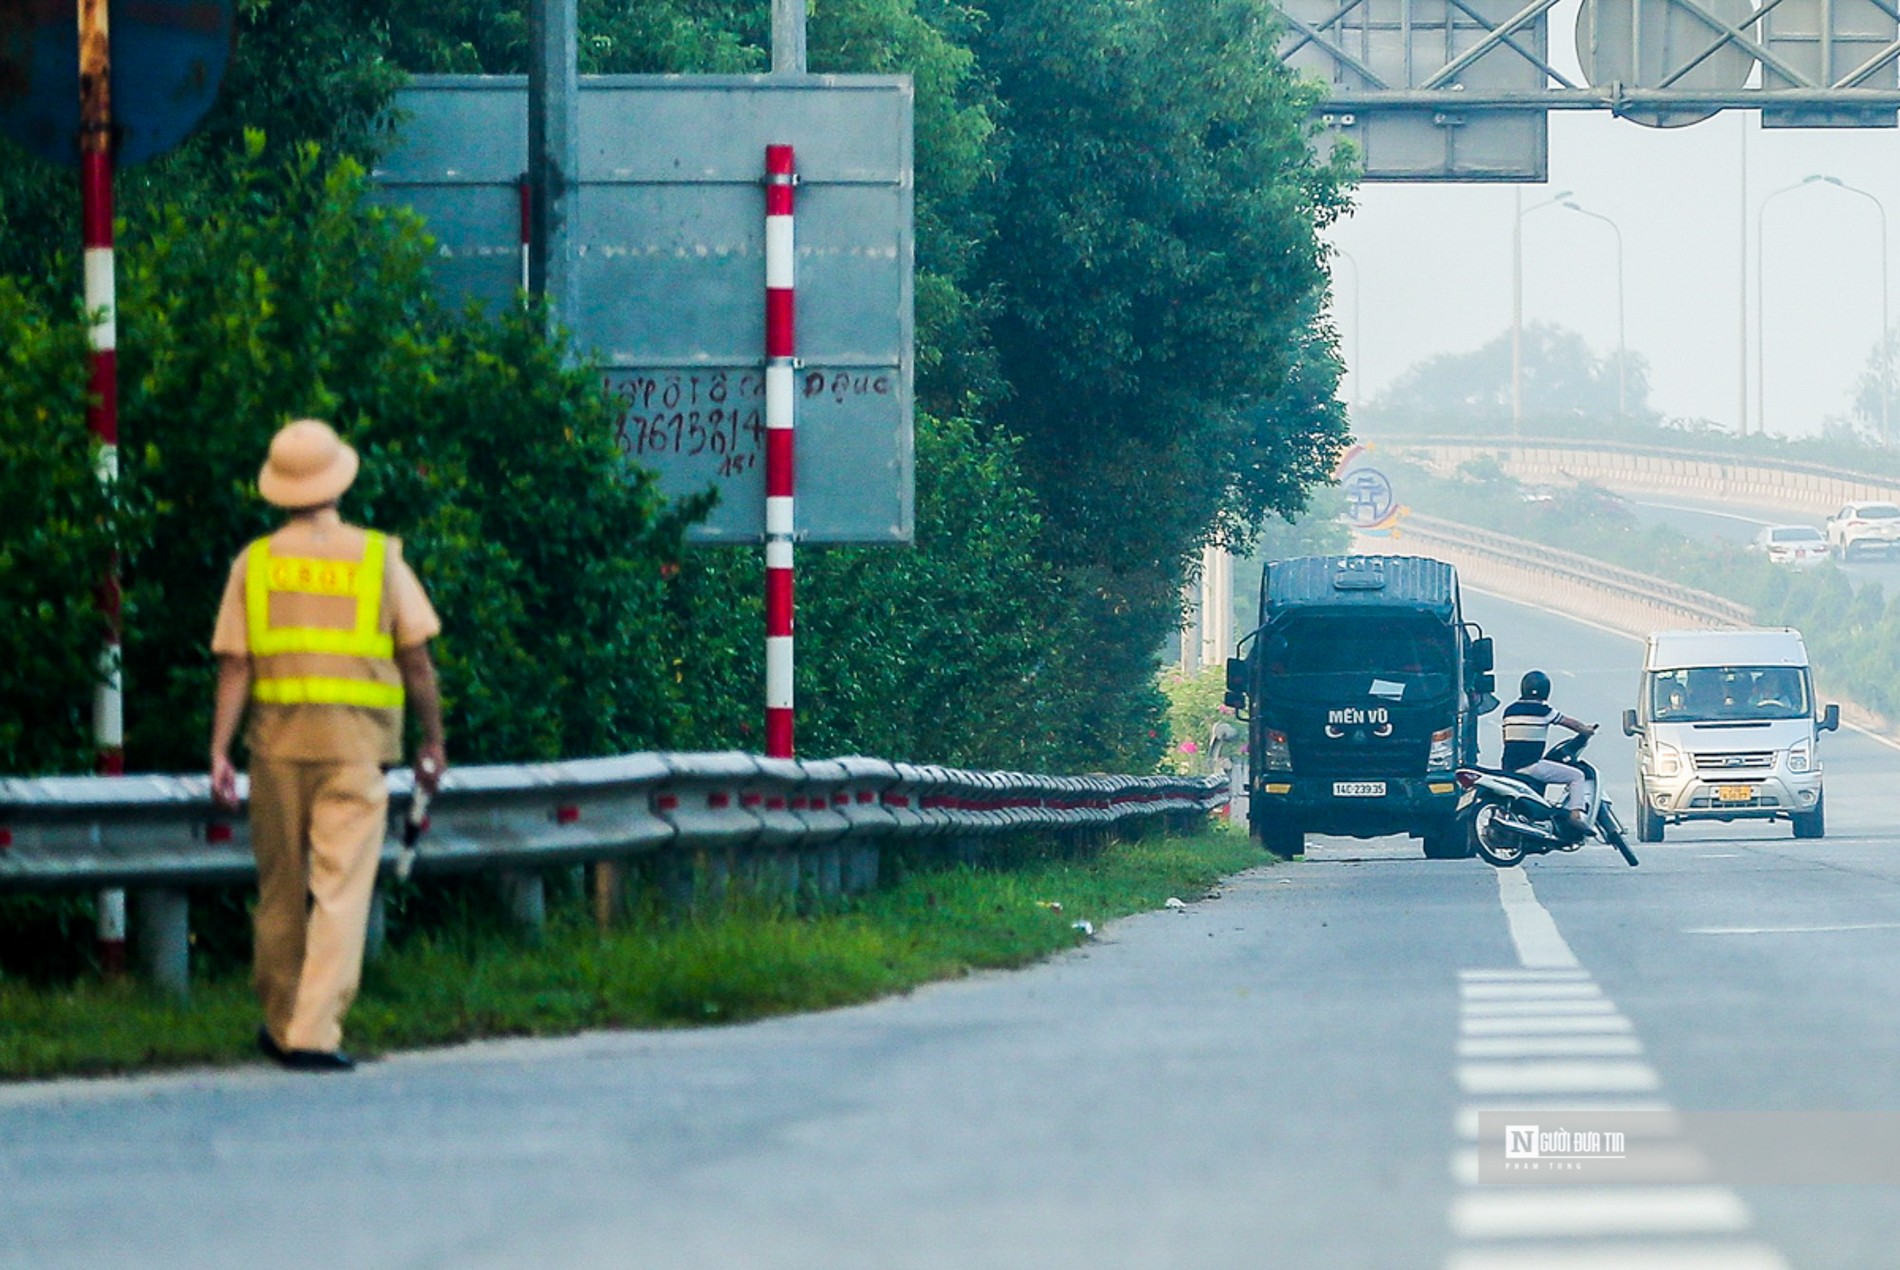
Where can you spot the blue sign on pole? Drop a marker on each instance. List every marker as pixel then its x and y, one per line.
pixel 168 57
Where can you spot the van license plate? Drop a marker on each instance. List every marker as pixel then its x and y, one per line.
pixel 1358 789
pixel 1734 793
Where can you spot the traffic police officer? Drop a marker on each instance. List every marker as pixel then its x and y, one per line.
pixel 323 635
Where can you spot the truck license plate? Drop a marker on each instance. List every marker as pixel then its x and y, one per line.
pixel 1358 789
pixel 1734 793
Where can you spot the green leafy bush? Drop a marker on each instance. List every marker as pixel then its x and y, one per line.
pixel 58 531
pixel 495 462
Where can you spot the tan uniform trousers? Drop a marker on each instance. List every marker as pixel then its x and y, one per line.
pixel 317 830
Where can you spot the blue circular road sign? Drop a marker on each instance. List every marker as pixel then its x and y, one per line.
pixel 168 57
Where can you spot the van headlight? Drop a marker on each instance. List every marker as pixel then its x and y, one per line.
pixel 1439 757
pixel 1667 759
pixel 1277 757
pixel 1800 757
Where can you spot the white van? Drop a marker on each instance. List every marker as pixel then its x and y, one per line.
pixel 1727 730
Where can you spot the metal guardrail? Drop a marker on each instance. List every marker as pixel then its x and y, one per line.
pixel 1817 485
pixel 163 831
pixel 1701 606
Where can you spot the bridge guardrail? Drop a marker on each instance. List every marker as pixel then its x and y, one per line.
pixel 1816 488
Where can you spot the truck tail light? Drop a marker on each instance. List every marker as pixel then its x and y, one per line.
pixel 1278 757
pixel 1440 756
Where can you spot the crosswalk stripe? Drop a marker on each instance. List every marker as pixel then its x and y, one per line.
pixel 1605 1076
pixel 1545 1213
pixel 1476 1009
pixel 1598 1046
pixel 1649 1117
pixel 1569 990
pixel 1531 1024
pixel 1699 1255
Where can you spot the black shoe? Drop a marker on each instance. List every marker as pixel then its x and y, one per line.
pixel 317 1061
pixel 267 1046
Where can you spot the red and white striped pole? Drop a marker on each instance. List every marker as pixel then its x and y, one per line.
pixel 527 226
pixel 781 396
pixel 102 411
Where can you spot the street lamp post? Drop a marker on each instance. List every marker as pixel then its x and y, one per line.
pixel 1886 434
pixel 1761 306
pixel 1622 347
pixel 1519 212
pixel 1357 368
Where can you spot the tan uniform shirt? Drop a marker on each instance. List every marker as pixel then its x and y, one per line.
pixel 327 732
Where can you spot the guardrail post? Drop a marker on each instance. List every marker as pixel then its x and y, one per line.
pixel 527 900
pixel 607 881
pixel 860 866
pixel 162 927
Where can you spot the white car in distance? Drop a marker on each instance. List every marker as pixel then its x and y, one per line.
pixel 1797 545
pixel 1857 526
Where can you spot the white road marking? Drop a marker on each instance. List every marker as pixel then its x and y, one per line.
pixel 1710 511
pixel 1656 1118
pixel 1583 1076
pixel 1573 990
pixel 1700 1255
pixel 1546 1041
pixel 1598 1046
pixel 1788 930
pixel 1539 944
pixel 1542 608
pixel 1492 1009
pixel 1609 1210
pixel 1655 1161
pixel 1521 1025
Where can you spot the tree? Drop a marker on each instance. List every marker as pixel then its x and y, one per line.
pixel 1876 406
pixel 1563 381
pixel 1155 266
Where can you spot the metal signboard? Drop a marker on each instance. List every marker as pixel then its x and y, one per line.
pixel 669 237
pixel 1420 55
pixel 1829 43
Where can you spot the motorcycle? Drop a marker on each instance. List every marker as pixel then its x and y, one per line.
pixel 1509 816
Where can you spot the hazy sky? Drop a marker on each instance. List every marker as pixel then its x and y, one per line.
pixel 1434 261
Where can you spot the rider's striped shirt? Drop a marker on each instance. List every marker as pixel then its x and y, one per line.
pixel 1526 727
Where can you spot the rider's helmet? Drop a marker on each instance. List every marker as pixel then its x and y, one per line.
pixel 1535 686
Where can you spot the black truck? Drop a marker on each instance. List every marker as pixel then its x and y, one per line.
pixel 1362 690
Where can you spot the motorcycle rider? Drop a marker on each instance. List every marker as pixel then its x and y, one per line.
pixel 1526 724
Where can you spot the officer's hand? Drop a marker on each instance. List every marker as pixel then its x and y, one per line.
pixel 223 781
pixel 431 762
pixel 1591 729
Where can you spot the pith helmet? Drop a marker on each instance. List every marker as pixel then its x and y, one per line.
pixel 309 464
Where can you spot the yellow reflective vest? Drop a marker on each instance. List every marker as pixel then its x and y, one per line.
pixel 315 629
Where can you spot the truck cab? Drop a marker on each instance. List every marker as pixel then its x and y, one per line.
pixel 1727 728
pixel 1362 686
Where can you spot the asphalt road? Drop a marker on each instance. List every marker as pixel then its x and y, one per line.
pixel 1284 1076
pixel 1735 523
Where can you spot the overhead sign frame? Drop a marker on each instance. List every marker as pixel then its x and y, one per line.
pixel 1453 90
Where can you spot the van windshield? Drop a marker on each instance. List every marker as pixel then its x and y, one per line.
pixel 1400 646
pixel 1713 694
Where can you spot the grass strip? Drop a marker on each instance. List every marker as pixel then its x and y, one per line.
pixel 747 961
